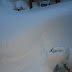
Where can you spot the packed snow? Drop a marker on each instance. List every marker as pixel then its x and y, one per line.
pixel 35 40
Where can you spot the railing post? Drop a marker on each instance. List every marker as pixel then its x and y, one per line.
pixel 30 4
pixel 58 1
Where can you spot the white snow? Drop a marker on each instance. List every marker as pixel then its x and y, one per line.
pixel 22 4
pixel 27 37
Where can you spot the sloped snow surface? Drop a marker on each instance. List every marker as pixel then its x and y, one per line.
pixel 27 37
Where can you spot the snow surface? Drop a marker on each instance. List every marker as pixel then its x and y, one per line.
pixel 27 37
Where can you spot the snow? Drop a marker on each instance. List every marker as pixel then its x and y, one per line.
pixel 21 4
pixel 27 37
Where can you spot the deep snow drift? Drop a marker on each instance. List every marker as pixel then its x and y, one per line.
pixel 26 37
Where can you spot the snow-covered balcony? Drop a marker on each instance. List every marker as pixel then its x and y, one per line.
pixel 27 38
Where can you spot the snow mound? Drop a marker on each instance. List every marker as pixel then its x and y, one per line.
pixel 21 5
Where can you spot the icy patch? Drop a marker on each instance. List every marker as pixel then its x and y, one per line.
pixel 59 69
pixel 56 50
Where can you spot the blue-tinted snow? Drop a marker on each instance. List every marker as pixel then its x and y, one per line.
pixel 26 36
